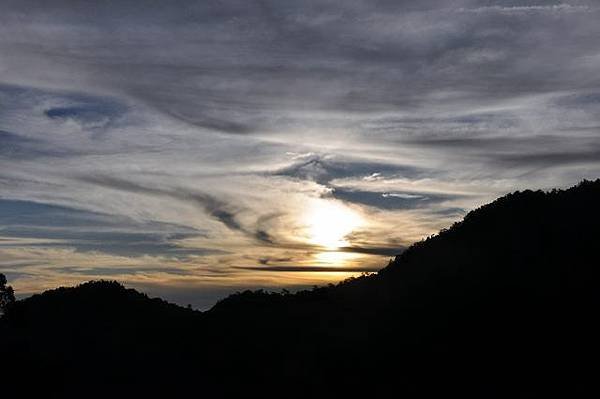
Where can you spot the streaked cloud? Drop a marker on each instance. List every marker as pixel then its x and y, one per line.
pixel 309 269
pixel 179 145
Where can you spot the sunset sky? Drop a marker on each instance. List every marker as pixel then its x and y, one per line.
pixel 195 148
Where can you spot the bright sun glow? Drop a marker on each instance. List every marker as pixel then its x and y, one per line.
pixel 329 223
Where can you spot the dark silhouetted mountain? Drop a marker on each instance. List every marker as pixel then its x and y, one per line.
pixel 503 303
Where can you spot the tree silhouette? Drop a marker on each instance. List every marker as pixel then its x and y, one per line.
pixel 7 294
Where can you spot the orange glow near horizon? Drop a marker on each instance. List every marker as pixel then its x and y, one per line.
pixel 335 258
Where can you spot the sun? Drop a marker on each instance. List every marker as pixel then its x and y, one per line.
pixel 328 223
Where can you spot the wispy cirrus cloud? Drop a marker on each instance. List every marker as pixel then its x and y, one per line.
pixel 196 135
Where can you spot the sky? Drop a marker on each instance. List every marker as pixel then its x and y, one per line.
pixel 192 149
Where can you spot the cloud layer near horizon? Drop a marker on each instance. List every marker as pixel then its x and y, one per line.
pixel 179 145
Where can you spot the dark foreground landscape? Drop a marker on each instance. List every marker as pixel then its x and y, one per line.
pixel 502 304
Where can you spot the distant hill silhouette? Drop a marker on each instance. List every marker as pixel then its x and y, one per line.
pixel 502 304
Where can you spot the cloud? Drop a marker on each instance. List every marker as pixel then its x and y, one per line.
pixel 390 200
pixel 553 8
pixel 92 272
pixel 327 169
pixel 309 269
pixel 223 212
pixel 266 260
pixel 94 116
pixel 383 251
pixel 323 168
pixel 14 146
pixel 31 224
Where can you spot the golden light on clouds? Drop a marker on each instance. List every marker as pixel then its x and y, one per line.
pixel 336 258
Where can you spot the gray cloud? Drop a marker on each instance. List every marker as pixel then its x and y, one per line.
pixel 391 201
pixel 224 212
pixel 220 210
pixel 57 226
pixel 267 56
pixel 383 251
pixel 267 259
pixel 323 169
pixel 14 146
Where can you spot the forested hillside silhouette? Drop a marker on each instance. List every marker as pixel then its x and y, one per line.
pixel 503 303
